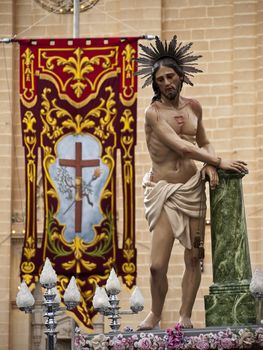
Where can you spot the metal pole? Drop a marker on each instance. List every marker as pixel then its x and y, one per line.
pixel 51 341
pixel 76 19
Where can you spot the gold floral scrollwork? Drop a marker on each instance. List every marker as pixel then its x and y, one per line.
pixel 27 277
pixel 28 267
pixel 83 310
pixel 128 267
pixel 79 124
pixel 30 143
pixel 31 170
pixel 30 121
pixel 88 295
pixel 50 114
pixel 128 251
pixel 78 67
pixel 109 263
pixel 28 74
pixel 29 249
pixel 63 282
pixel 128 70
pixel 128 172
pixel 78 246
pixel 127 143
pixel 127 119
pixel 105 112
pixel 89 266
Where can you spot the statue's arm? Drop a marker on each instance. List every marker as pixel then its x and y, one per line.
pixel 204 144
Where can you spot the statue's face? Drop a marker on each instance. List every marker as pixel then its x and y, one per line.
pixel 168 81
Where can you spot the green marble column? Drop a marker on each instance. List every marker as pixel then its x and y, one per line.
pixel 229 301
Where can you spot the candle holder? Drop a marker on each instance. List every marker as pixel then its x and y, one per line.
pixel 51 301
pixel 107 303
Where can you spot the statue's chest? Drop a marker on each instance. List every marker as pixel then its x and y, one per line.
pixel 183 122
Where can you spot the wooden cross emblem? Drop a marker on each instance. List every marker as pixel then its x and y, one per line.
pixel 78 163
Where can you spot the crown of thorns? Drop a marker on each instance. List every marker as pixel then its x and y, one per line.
pixel 179 53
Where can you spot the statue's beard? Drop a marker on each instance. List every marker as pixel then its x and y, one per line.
pixel 173 92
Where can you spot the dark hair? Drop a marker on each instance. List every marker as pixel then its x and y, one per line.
pixel 166 62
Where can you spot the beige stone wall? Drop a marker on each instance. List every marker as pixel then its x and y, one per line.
pixel 229 35
pixel 6 155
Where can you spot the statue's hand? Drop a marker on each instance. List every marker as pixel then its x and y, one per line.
pixel 211 172
pixel 234 165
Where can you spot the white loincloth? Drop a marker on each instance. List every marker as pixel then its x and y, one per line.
pixel 180 202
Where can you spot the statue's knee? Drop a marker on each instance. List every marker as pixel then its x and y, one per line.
pixel 156 270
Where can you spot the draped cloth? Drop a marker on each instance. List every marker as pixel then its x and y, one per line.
pixel 180 202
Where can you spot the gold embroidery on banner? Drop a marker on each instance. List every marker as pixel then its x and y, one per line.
pixel 90 95
pixel 127 118
pixel 26 103
pixel 78 67
pixel 128 63
pixel 88 295
pixel 85 296
pixel 27 74
pixel 128 103
pixel 94 279
pixel 63 283
pixel 30 140
pixel 51 113
pixel 29 249
pixel 129 279
pixel 127 142
pixel 31 170
pixel 78 247
pixel 106 112
pixel 28 267
pixel 31 198
pixel 83 310
pixel 128 267
pixel 128 96
pixel 128 251
pixel 60 247
pixel 109 263
pixel 79 124
pixel 27 277
pixel 30 143
pixel 30 121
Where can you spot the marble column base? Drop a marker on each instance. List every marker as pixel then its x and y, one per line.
pixel 230 305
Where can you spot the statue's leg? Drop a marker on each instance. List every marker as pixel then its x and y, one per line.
pixel 191 277
pixel 162 243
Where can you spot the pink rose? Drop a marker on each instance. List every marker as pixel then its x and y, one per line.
pixel 144 343
pixel 227 343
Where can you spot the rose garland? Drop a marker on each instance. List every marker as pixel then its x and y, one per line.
pixel 174 338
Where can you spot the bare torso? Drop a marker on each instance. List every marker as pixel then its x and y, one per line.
pixel 166 163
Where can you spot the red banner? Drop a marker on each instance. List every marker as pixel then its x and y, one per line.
pixel 78 107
